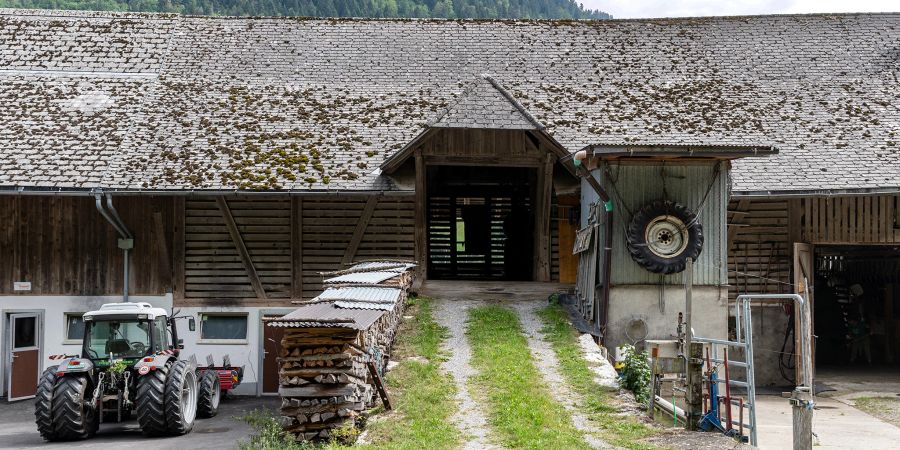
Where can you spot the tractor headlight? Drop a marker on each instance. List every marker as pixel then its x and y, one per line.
pixel 142 317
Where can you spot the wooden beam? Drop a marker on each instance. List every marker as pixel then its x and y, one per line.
pixel 379 385
pixel 297 248
pixel 241 248
pixel 178 250
pixel 504 161
pixel 421 251
pixel 542 219
pixel 360 230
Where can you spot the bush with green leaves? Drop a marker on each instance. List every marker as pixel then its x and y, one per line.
pixel 635 373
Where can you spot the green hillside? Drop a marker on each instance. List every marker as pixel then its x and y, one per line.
pixel 530 9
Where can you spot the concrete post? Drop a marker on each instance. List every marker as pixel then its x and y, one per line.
pixel 694 400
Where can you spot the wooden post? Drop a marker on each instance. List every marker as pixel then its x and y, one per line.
pixel 421 221
pixel 542 219
pixel 297 248
pixel 694 400
pixel 178 250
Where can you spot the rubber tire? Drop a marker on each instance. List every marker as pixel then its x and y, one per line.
pixel 72 417
pixel 179 374
pixel 150 402
pixel 207 401
pixel 43 404
pixel 637 244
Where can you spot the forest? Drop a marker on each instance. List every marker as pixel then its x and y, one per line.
pixel 480 9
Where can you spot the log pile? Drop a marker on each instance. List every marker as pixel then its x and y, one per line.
pixel 336 346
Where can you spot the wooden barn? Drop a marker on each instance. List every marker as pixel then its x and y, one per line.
pixel 219 165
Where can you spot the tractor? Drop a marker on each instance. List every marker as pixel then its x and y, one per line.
pixel 129 366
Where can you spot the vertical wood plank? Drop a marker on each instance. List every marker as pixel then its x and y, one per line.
pixel 421 224
pixel 884 216
pixel 178 249
pixel 830 222
pixel 297 248
pixel 542 218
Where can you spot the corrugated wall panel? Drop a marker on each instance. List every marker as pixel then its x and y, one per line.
pixel 686 183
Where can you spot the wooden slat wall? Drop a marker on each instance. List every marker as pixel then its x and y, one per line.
pixel 63 246
pixel 848 220
pixel 213 266
pixel 759 253
pixel 328 226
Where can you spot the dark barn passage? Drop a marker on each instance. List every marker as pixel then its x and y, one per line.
pixel 481 222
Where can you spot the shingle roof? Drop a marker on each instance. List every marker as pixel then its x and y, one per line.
pixel 141 101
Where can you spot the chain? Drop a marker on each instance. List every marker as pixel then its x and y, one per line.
pixel 99 387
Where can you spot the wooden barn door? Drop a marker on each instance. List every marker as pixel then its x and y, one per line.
pixel 24 351
pixel 271 345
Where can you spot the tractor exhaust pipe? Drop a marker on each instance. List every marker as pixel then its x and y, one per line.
pixel 126 239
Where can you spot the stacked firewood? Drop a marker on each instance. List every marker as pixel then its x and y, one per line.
pixel 332 358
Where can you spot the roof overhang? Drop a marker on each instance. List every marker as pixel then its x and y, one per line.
pixel 678 151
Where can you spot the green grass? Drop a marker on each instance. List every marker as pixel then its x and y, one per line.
pixel 598 402
pixel 520 409
pixel 422 396
pixel 884 408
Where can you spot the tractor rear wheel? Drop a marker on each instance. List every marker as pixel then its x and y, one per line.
pixel 72 414
pixel 208 405
pixel 181 398
pixel 43 404
pixel 150 402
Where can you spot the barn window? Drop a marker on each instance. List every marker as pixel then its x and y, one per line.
pixel 223 328
pixel 74 328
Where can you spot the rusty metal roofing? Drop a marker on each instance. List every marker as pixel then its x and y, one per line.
pixel 363 277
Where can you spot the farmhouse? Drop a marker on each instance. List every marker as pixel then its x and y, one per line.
pixel 218 165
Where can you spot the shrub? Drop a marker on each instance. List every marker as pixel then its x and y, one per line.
pixel 636 374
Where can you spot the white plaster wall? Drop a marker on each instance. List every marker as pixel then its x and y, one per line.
pixel 710 313
pixel 246 353
pixel 54 327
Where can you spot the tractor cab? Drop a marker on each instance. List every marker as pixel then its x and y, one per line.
pixel 126 331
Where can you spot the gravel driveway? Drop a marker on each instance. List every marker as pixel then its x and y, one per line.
pixel 221 432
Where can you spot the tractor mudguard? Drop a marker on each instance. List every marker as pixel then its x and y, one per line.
pixel 74 365
pixel 152 362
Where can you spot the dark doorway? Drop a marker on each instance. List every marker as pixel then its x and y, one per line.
pixel 481 222
pixel 856 306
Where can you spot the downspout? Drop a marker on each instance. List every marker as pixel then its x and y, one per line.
pixel 126 239
pixel 608 233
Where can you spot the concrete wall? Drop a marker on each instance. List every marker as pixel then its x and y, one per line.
pixel 245 353
pixel 769 324
pixel 710 314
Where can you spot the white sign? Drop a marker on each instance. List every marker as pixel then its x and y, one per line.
pixel 21 285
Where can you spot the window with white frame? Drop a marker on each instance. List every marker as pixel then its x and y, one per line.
pixel 74 328
pixel 223 328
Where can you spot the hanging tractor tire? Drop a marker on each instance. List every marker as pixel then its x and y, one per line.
pixel 150 403
pixel 43 404
pixel 209 395
pixel 663 235
pixel 73 417
pixel 181 398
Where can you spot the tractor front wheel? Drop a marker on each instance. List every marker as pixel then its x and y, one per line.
pixel 181 398
pixel 72 414
pixel 150 402
pixel 43 404
pixel 208 405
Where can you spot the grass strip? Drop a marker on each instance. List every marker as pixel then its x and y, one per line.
pixel 597 404
pixel 520 408
pixel 423 398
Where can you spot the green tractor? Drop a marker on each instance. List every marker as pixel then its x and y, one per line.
pixel 129 366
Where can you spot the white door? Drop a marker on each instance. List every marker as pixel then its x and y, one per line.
pixel 24 355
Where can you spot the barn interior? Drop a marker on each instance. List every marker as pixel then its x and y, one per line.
pixel 481 222
pixel 856 309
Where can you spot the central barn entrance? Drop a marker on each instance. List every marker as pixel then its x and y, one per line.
pixel 481 222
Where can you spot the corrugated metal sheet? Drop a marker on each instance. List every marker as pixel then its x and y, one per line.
pixel 365 305
pixel 373 294
pixel 686 183
pixel 324 314
pixel 384 266
pixel 363 277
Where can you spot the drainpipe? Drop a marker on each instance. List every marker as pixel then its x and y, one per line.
pixel 126 239
pixel 608 233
